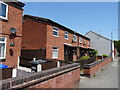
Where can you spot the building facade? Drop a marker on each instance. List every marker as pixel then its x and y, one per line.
pixel 10 32
pixel 101 43
pixel 45 39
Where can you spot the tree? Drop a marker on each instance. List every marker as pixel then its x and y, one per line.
pixel 117 46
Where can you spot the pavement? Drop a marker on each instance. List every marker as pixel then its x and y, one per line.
pixel 107 78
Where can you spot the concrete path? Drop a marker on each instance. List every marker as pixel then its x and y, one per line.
pixel 107 78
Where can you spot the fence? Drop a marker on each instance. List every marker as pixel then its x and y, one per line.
pixel 28 55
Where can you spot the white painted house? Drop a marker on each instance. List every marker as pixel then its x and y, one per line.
pixel 101 43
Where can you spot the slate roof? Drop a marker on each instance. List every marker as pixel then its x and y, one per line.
pixel 98 35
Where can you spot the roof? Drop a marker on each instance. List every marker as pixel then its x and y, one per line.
pixel 98 35
pixel 50 22
pixel 15 3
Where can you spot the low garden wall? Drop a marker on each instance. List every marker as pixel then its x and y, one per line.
pixel 86 61
pixel 5 73
pixel 62 77
pixel 91 69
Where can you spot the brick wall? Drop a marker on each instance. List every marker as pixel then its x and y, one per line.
pixel 90 69
pixel 67 80
pixel 38 34
pixel 59 42
pixel 34 35
pixel 62 77
pixel 15 21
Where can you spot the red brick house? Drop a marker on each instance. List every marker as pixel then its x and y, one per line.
pixel 45 39
pixel 10 32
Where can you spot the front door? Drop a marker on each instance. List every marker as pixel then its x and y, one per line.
pixel 68 53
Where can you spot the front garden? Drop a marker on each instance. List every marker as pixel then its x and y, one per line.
pixel 92 58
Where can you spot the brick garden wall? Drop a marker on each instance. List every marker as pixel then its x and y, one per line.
pixel 90 69
pixel 62 77
pixel 67 80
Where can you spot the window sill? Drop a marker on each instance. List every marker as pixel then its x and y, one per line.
pixel 55 58
pixel 2 19
pixel 2 60
pixel 65 38
pixel 55 36
pixel 74 41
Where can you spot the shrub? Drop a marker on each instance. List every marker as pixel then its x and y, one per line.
pixel 94 52
pixel 105 55
pixel 85 57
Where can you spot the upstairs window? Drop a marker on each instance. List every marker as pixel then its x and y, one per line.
pixel 3 10
pixel 85 42
pixel 75 38
pixel 2 47
pixel 66 35
pixel 80 40
pixel 55 52
pixel 88 42
pixel 55 31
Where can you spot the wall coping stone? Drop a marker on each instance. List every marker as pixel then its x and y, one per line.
pixel 27 80
pixel 95 63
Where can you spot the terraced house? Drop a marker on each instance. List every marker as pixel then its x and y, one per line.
pixel 45 39
pixel 10 32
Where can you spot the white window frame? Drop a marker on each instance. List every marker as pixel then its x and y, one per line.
pixel 5 47
pixel 85 42
pixel 53 57
pixel 74 38
pixel 66 34
pixel 88 42
pixel 80 39
pixel 55 29
pixel 6 11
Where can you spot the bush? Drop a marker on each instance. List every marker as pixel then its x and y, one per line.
pixel 94 52
pixel 85 57
pixel 105 55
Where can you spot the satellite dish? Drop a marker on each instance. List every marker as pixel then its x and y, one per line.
pixel 13 30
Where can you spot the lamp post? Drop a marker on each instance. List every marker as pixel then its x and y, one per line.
pixel 112 44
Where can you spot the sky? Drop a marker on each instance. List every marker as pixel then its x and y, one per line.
pixel 82 17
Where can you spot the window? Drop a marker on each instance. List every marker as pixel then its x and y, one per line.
pixel 3 10
pixel 84 41
pixel 2 47
pixel 66 35
pixel 88 42
pixel 55 31
pixel 55 52
pixel 74 38
pixel 80 40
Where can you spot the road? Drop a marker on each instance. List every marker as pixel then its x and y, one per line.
pixel 107 78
